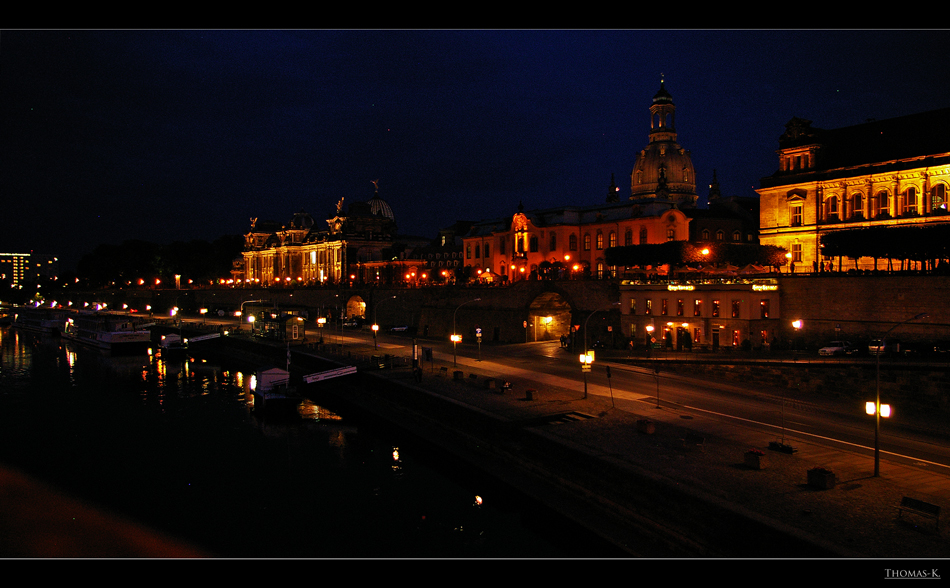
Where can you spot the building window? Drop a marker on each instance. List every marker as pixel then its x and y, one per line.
pixel 735 338
pixel 736 236
pixel 795 215
pixel 633 305
pixel 553 244
pixel 643 235
pixel 715 308
pixel 797 252
pixel 664 307
pixel 705 235
pixel 679 307
pixel 600 241
pixel 764 309
pixel 857 205
pixel 648 307
pixel 832 207
pixel 600 270
pixel 468 252
pixel 670 234
pixel 883 208
pixel 735 308
pixel 720 235
pixel 697 307
pixel 478 249
pixel 612 242
pixel 587 242
pixel 938 197
pixel 533 243
pixel 628 237
pixel 486 250
pixel 910 200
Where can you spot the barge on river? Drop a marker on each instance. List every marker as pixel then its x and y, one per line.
pixel 116 334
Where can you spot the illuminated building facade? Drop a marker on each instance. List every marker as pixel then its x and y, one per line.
pixel 17 269
pixel 887 173
pixel 300 253
pixel 711 314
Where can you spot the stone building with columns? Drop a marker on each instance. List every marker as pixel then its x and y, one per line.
pixel 887 173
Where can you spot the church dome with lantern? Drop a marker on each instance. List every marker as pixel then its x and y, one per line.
pixel 663 169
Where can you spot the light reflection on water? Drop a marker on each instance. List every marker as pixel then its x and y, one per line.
pixel 178 443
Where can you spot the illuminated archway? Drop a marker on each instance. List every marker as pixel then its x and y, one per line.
pixel 549 317
pixel 355 307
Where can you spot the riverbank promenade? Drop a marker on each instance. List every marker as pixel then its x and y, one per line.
pixel 705 500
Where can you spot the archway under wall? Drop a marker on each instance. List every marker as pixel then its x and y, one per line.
pixel 356 307
pixel 549 317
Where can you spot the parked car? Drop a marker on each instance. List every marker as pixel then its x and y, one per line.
pixel 878 346
pixel 399 328
pixel 838 348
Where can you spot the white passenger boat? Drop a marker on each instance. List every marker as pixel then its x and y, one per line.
pixel 38 320
pixel 112 333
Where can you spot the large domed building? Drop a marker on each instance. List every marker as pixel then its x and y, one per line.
pixel 663 169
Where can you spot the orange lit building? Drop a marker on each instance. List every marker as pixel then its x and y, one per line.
pixel 893 172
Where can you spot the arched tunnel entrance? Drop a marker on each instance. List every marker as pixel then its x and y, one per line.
pixel 549 317
pixel 355 308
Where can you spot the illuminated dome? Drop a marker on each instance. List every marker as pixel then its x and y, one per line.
pixel 379 206
pixel 663 169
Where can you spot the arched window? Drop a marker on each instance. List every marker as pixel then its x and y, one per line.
pixel 612 241
pixel 909 198
pixel 628 237
pixel 857 205
pixel 600 241
pixel 572 242
pixel 938 197
pixel 831 207
pixel 736 236
pixel 643 235
pixel 720 235
pixel 587 242
pixel 883 206
pixel 705 235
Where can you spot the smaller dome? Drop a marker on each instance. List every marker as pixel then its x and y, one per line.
pixel 379 206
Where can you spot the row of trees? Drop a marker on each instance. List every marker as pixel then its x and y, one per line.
pixel 685 252
pixel 925 244
pixel 134 260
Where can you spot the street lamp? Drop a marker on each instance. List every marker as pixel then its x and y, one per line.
pixel 879 409
pixel 586 358
pixel 375 323
pixel 455 337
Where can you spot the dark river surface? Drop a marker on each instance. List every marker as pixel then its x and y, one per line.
pixel 177 446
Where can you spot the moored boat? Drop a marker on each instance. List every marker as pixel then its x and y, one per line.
pixel 271 389
pixel 112 333
pixel 38 320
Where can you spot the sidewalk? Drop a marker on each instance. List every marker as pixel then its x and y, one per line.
pixel 857 518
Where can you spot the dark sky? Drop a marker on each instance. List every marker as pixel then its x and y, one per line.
pixel 187 134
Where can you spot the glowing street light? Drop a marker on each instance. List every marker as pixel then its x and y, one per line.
pixel 878 409
pixel 455 337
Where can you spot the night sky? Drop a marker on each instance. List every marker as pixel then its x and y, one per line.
pixel 187 134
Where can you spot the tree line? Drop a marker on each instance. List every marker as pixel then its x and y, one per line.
pixel 928 245
pixel 201 261
pixel 687 253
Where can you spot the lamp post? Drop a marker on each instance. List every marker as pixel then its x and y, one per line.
pixel 455 337
pixel 587 357
pixel 877 402
pixel 376 324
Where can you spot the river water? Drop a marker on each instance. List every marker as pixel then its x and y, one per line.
pixel 177 446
